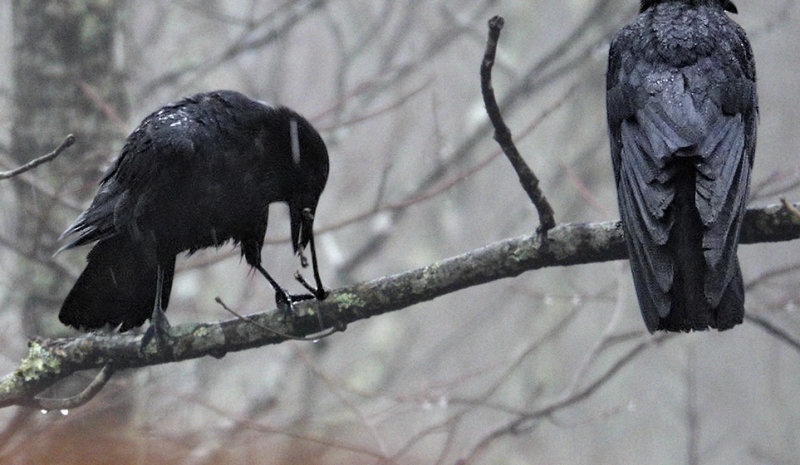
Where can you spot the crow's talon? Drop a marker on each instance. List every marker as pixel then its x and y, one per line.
pixel 301 297
pixel 159 325
pixel 284 302
pixel 317 292
pixel 321 294
pixel 146 338
pixel 160 331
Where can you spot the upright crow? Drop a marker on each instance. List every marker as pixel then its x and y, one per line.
pixel 194 174
pixel 682 110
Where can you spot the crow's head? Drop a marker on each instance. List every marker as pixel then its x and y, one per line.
pixel 309 161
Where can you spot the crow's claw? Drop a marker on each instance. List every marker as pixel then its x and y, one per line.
pixel 160 331
pixel 284 302
pixel 317 293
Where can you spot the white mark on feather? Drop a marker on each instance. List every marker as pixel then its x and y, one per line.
pixel 295 141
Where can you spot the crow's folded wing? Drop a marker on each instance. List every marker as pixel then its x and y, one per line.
pixel 125 186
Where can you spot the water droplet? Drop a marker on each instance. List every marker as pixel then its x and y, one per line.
pixel 576 300
pixel 442 403
pixel 427 405
pixel 549 300
pixel 44 412
pixel 315 341
pixel 64 411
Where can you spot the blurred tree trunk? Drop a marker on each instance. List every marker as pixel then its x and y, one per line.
pixel 67 80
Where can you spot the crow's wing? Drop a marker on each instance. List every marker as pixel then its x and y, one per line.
pixel 657 115
pixel 723 180
pixel 163 142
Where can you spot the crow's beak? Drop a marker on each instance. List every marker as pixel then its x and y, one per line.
pixel 303 235
pixel 302 222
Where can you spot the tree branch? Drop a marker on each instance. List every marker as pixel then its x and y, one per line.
pixel 88 393
pixel 67 142
pixel 49 361
pixel 526 420
pixel 774 330
pixel 503 136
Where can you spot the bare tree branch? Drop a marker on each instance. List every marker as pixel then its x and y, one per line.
pixel 525 420
pixel 273 29
pixel 529 181
pixel 774 330
pixel 49 361
pixel 67 142
pixel 534 79
pixel 97 384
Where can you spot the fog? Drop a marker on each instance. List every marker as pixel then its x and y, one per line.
pixel 554 366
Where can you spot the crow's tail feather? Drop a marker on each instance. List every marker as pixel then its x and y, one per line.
pixel 117 288
pixel 691 307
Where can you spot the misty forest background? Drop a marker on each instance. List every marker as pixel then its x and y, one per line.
pixel 552 367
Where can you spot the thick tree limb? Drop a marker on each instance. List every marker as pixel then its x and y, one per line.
pixel 529 181
pixel 49 361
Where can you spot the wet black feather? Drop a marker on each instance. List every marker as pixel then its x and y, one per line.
pixel 194 174
pixel 682 111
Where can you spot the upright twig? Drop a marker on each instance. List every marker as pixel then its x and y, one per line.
pixel 503 136
pixel 68 141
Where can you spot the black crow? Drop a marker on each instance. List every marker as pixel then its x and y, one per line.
pixel 194 174
pixel 682 111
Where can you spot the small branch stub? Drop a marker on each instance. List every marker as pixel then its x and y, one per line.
pixel 790 208
pixel 75 401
